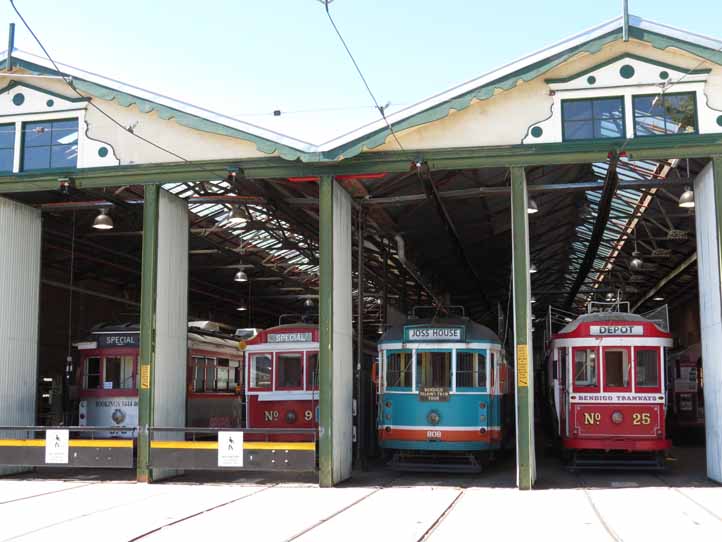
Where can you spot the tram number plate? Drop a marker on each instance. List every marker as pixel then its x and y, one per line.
pixel 433 435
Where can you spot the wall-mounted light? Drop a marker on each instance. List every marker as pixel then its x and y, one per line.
pixel 103 221
pixel 686 200
pixel 531 206
pixel 532 269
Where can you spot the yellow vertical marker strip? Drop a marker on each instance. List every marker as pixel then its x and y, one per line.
pixel 522 365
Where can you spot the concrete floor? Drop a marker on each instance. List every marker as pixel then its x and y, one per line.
pixel 678 504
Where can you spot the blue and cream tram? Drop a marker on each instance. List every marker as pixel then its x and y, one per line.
pixel 444 393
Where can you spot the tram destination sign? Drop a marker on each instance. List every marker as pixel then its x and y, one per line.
pixel 110 340
pixel 303 337
pixel 616 331
pixel 437 334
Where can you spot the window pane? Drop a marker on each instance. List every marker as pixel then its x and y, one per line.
pixel 312 370
pixel 6 159
pixel 433 369
pixel 668 114
pixel 579 130
pixel 210 374
pixel 36 158
pixel 398 370
pixel 577 110
pixel 680 113
pixel 63 156
pixel 112 373
pixel 647 369
pixel 610 127
pixel 199 374
pixel 7 136
pixel 37 134
pixel 644 126
pixel 616 369
pixel 64 132
pixel 608 108
pixel 289 369
pixel 233 375
pixel 648 106
pixel 261 366
pixel 222 379
pixel 470 370
pixel 92 373
pixel 585 367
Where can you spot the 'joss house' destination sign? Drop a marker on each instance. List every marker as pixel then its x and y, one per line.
pixel 290 337
pixel 441 334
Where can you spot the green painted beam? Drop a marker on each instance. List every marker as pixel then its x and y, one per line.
pixel 325 354
pixel 523 365
pixel 149 267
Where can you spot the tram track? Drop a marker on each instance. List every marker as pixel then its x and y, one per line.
pixel 47 493
pixel 442 516
pixel 612 534
pixel 688 497
pixel 201 512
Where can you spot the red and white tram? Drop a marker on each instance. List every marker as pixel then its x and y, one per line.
pixel 606 388
pixel 107 378
pixel 282 378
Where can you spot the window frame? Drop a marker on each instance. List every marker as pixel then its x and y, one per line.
pixel 102 354
pixel 660 376
pixel 249 378
pixel 630 372
pixel 13 148
pixel 276 364
pixel 105 371
pixel 307 372
pixel 21 150
pixel 487 370
pixel 581 388
pixel 415 361
pixel 592 99
pixel 664 95
pixel 412 357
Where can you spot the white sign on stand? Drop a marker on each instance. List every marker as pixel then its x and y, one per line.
pixel 56 446
pixel 230 448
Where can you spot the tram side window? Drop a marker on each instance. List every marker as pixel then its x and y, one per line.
pixel 222 375
pixel 199 374
pixel 289 371
pixel 647 369
pixel 261 367
pixel 433 369
pixel 211 374
pixel 616 369
pixel 585 367
pixel 398 370
pixel 470 370
pixel 234 375
pixel 118 373
pixel 92 373
pixel 312 371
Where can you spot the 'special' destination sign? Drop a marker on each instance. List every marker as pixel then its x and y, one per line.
pixel 290 337
pixel 439 334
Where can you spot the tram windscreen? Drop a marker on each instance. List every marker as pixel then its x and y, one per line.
pixel 647 369
pixel 616 369
pixel 261 367
pixel 289 369
pixel 398 370
pixel 433 369
pixel 312 370
pixel 470 370
pixel 585 367
pixel 92 373
pixel 118 373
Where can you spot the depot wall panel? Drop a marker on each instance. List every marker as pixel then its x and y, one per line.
pixel 169 378
pixel 710 306
pixel 342 336
pixel 20 242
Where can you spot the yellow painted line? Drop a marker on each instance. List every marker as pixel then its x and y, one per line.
pixel 80 443
pixel 182 444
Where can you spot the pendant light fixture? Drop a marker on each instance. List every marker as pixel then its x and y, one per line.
pixel 686 200
pixel 103 221
pixel 531 206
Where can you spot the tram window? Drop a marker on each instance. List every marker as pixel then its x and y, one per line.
pixel 211 374
pixel 261 366
pixel 470 370
pixel 234 374
pixel 398 370
pixel 92 373
pixel 222 375
pixel 616 369
pixel 289 371
pixel 118 373
pixel 312 371
pixel 433 369
pixel 647 369
pixel 585 367
pixel 199 374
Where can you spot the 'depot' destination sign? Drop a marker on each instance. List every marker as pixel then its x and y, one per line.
pixel 434 395
pixel 616 330
pixel 441 334
pixel 290 337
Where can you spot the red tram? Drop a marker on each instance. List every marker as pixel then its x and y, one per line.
pixel 282 377
pixel 107 378
pixel 606 388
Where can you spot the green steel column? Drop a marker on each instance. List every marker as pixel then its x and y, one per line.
pixel 147 327
pixel 325 354
pixel 522 308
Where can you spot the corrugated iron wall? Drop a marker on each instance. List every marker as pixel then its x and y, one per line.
pixel 20 241
pixel 169 377
pixel 710 307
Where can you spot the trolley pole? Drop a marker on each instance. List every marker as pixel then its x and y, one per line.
pixel 149 274
pixel 523 363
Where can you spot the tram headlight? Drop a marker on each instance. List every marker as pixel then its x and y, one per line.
pixel 433 418
pixel 291 416
pixel 617 417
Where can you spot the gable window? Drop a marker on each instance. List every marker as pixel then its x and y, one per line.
pixel 663 114
pixel 50 144
pixel 595 118
pixel 7 147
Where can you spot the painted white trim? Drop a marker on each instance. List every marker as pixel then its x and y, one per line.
pixel 444 427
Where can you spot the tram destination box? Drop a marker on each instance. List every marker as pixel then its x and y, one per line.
pixel 434 395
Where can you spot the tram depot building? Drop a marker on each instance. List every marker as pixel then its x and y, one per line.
pixel 554 181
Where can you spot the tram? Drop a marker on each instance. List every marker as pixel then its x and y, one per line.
pixel 107 378
pixel 685 390
pixel 282 377
pixel 444 394
pixel 606 387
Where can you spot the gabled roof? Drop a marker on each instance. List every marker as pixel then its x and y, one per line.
pixel 376 133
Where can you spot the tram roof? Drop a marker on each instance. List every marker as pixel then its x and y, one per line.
pixel 473 331
pixel 605 317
